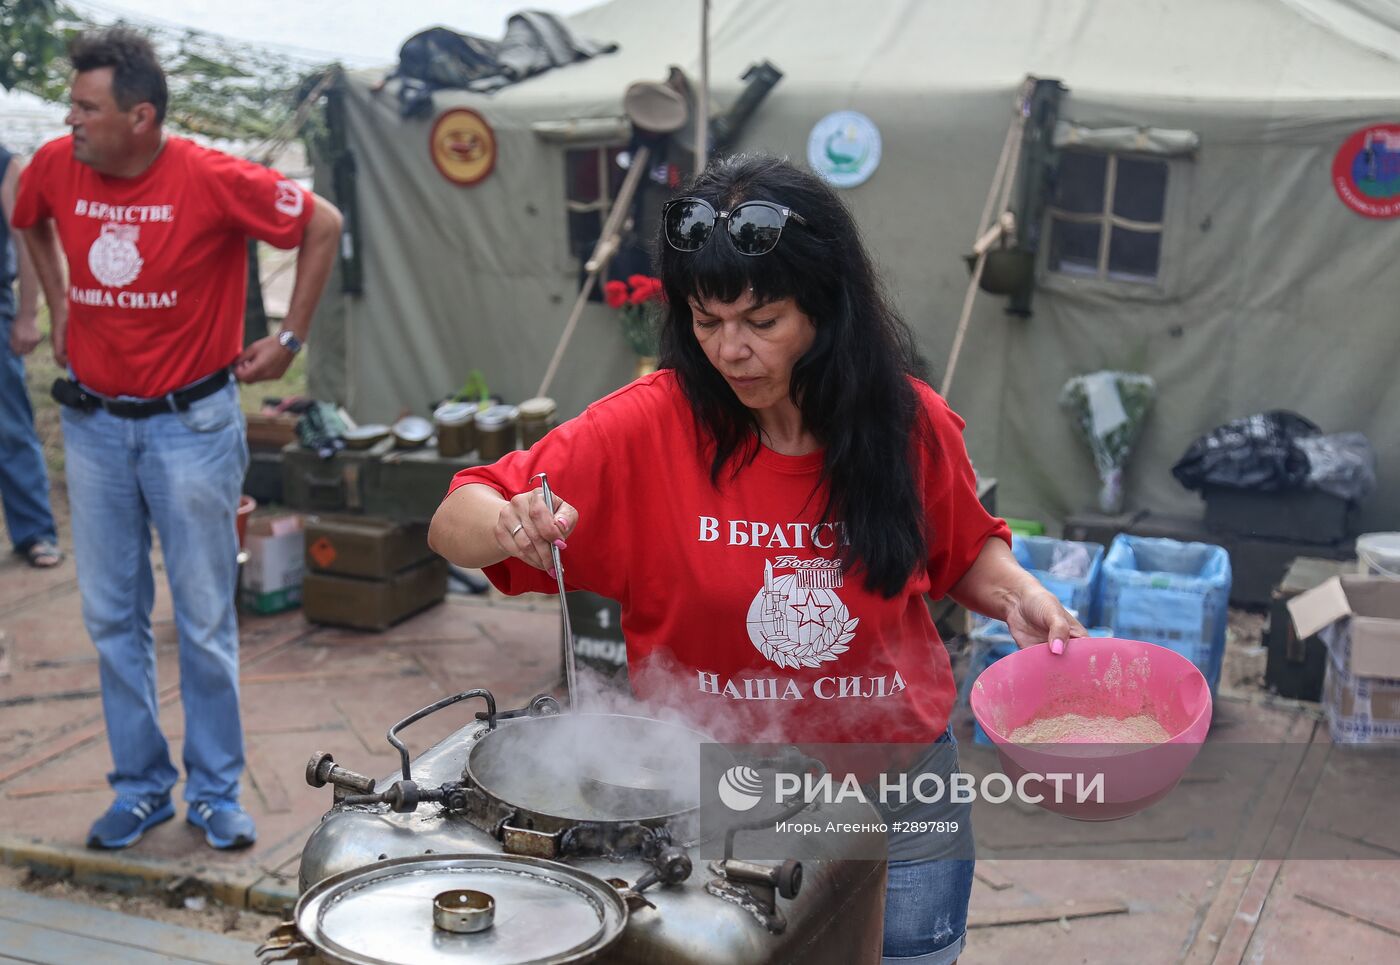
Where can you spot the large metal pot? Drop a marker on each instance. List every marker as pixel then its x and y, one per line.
pixel 520 784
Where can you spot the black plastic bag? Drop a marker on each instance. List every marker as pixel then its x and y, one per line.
pixel 1343 464
pixel 1260 452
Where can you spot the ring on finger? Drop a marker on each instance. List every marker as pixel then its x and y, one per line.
pixel 518 528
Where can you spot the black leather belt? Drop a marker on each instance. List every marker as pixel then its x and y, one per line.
pixel 72 394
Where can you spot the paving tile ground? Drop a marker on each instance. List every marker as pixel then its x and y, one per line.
pixel 307 689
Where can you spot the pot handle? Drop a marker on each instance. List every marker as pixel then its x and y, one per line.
pixel 284 944
pixel 432 709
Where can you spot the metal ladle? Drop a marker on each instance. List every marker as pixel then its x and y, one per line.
pixel 563 605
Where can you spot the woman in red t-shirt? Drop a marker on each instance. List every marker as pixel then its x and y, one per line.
pixel 771 507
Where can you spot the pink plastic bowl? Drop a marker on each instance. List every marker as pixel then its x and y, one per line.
pixel 1094 677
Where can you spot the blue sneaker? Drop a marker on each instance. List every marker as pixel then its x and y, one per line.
pixel 127 819
pixel 225 824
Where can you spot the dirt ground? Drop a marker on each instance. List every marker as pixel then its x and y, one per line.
pixel 195 912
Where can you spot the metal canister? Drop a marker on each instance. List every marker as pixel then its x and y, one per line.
pixel 536 419
pixel 456 428
pixel 495 431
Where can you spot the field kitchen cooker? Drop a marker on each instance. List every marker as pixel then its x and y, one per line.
pixel 535 836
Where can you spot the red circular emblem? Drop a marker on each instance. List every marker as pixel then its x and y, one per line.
pixel 1366 171
pixel 463 146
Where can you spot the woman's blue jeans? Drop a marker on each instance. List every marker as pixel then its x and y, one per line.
pixel 926 898
pixel 181 472
pixel 926 910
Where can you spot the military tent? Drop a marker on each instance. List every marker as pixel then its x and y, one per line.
pixel 1217 254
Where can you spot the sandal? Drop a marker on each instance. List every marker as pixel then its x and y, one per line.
pixel 42 554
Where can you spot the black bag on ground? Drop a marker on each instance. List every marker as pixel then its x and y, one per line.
pixel 1259 452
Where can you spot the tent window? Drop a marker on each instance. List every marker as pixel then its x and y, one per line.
pixel 591 180
pixel 1106 217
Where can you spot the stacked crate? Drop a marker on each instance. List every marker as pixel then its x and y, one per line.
pixel 369 573
pixel 1266 531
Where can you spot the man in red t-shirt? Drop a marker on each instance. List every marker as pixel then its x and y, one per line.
pixel 154 230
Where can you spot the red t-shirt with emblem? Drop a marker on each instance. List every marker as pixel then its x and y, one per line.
pixel 734 607
pixel 157 264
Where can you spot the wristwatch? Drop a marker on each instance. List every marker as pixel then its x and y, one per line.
pixel 289 341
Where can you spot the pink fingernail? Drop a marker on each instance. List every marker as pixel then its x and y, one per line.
pixel 561 544
pixel 561 522
pixel 1057 646
pixel 551 573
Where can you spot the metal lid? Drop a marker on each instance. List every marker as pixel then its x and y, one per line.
pixel 366 434
pixel 454 413
pixel 496 417
pixel 413 430
pixel 540 407
pixel 545 913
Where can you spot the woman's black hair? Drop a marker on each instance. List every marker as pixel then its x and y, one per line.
pixel 852 386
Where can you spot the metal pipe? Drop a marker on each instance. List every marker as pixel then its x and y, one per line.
pixel 702 100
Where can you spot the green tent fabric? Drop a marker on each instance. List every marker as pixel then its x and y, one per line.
pixel 1271 292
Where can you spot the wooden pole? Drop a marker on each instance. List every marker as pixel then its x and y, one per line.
pixel 602 254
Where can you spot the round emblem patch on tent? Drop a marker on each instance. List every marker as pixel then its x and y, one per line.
pixel 844 148
pixel 1366 171
pixel 463 146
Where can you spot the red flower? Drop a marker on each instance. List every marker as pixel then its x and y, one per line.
pixel 615 294
pixel 644 289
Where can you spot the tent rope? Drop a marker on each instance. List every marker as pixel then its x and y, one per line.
pixel 998 196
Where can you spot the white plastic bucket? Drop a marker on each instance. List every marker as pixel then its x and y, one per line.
pixel 1378 554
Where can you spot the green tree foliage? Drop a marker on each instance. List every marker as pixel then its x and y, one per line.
pixel 218 87
pixel 32 39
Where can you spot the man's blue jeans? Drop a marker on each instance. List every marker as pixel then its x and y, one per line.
pixel 182 472
pixel 24 483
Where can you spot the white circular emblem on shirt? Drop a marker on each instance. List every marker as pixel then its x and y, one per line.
pixel 797 620
pixel 114 258
pixel 289 200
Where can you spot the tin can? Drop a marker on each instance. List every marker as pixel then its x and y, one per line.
pixel 495 431
pixel 456 428
pixel 536 419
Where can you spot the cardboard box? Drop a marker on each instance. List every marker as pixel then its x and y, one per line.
pixel 364 546
pixel 276 562
pixel 1367 644
pixel 1361 710
pixel 348 601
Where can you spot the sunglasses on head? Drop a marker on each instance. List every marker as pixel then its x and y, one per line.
pixel 754 227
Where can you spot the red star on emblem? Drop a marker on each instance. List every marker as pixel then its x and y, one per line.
pixel 806 611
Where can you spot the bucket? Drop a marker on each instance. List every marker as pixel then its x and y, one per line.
pixel 246 505
pixel 1378 554
pixel 1109 676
